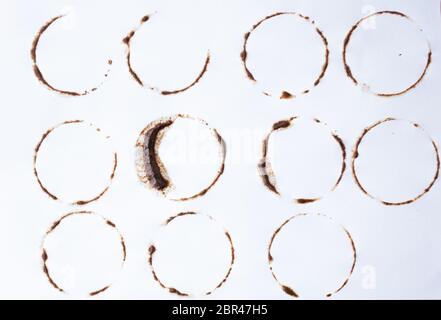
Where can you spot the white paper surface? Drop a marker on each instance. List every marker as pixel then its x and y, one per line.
pixel 398 248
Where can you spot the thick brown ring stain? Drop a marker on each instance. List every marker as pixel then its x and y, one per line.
pixel 290 291
pixel 45 257
pixel 267 174
pixel 153 249
pixel 152 172
pixel 50 193
pixel 356 154
pixel 127 41
pixel 348 69
pixel 40 75
pixel 244 54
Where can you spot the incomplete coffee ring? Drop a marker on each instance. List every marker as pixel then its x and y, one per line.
pixel 39 74
pixel 150 169
pixel 356 154
pixel 135 75
pixel 45 256
pixel 50 193
pixel 266 173
pixel 285 94
pixel 290 291
pixel 348 69
pixel 153 249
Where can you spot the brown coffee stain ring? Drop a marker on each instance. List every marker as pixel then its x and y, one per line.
pixel 150 169
pixel 287 289
pixel 356 154
pixel 135 75
pixel 45 256
pixel 284 95
pixel 52 194
pixel 267 174
pixel 153 249
pixel 348 69
pixel 39 74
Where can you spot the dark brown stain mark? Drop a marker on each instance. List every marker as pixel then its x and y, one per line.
pixel 115 165
pixel 343 154
pixel 286 95
pixel 348 69
pixel 127 41
pixel 40 183
pixel 177 292
pixel 198 78
pixel 306 201
pixel 152 171
pixel 219 173
pixel 354 261
pixel 283 124
pixel 356 154
pixel 326 64
pixel 45 257
pixel 244 54
pixel 145 19
pixel 289 290
pixel 233 258
pixel 264 165
pixel 40 75
pixel 189 213
pixel 84 202
pixel 110 223
pixel 94 293
pixel 152 250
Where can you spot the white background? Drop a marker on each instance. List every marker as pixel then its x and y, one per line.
pixel 401 244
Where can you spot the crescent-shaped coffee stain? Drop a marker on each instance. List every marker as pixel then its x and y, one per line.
pixel 51 194
pixel 349 71
pixel 135 75
pixel 153 249
pixel 151 170
pixel 45 256
pixel 286 95
pixel 289 290
pixel 39 74
pixel 267 174
pixel 356 154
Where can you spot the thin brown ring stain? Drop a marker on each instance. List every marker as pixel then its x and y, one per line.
pixel 127 41
pixel 348 69
pixel 39 74
pixel 153 249
pixel 150 169
pixel 50 193
pixel 45 256
pixel 284 95
pixel 356 154
pixel 287 289
pixel 266 173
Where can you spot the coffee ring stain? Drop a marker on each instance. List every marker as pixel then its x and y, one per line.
pixel 152 249
pixel 348 69
pixel 286 95
pixel 356 154
pixel 45 256
pixel 135 75
pixel 150 169
pixel 267 174
pixel 38 73
pixel 289 290
pixel 52 194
